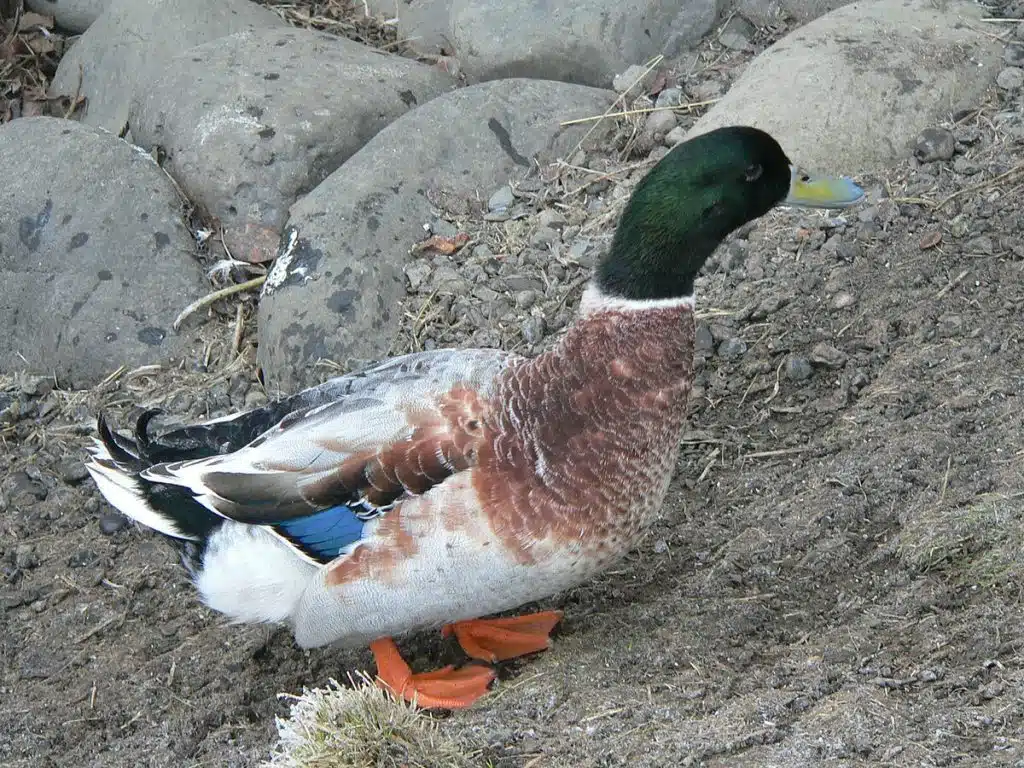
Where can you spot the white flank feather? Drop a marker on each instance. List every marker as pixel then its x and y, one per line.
pixel 250 575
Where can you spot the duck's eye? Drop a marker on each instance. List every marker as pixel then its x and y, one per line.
pixel 753 172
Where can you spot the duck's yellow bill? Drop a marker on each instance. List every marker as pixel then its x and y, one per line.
pixel 810 191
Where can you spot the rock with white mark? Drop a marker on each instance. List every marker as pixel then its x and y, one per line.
pixel 333 292
pixel 252 121
pixel 95 265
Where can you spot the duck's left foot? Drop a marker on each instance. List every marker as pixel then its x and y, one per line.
pixel 500 639
pixel 445 688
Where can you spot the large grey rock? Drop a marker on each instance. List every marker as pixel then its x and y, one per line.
pixel 851 90
pixel 72 15
pixel 763 12
pixel 94 257
pixel 333 291
pixel 251 121
pixel 587 41
pixel 131 42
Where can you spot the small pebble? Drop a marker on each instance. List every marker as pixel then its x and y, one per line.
pixel 526 299
pixel 1010 79
pixel 703 340
pixel 670 97
pixel 36 386
pixel 958 227
pixel 935 144
pixel 965 167
pixel 732 349
pixel 859 381
pixel 444 228
pixel 736 34
pixel 798 369
pixel 660 123
pixel 660 547
pixel 82 558
pixel 48 406
pixel 847 251
pixel 112 522
pixel 551 218
pixel 980 245
pixel 544 236
pixel 581 251
pixel 676 136
pixel 533 329
pixel 255 398
pixel 1013 54
pixel 501 200
pixel 25 557
pixel 73 471
pixel 623 81
pixel 843 299
pixel 826 355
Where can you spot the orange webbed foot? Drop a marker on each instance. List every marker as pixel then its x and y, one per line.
pixel 445 688
pixel 501 639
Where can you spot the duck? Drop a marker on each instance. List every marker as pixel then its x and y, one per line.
pixel 437 489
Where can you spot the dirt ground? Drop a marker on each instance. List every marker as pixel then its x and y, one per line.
pixel 836 578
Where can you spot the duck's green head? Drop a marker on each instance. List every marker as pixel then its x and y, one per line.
pixel 696 195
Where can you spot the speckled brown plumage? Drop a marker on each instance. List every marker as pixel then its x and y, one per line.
pixel 586 437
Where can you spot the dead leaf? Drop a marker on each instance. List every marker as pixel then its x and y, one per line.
pixel 659 82
pixel 931 239
pixel 442 244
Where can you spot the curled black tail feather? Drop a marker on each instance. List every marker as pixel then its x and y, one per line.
pixel 189 523
pixel 121 449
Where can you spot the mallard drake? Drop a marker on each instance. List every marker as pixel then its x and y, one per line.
pixel 440 487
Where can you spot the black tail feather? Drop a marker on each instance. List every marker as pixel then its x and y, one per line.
pixel 121 449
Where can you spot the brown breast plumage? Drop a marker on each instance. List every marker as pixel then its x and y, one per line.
pixel 582 440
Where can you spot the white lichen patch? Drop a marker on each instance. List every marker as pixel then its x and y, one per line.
pixel 279 272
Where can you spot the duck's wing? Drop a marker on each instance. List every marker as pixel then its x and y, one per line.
pixel 418 372
pixel 345 452
pixel 363 443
